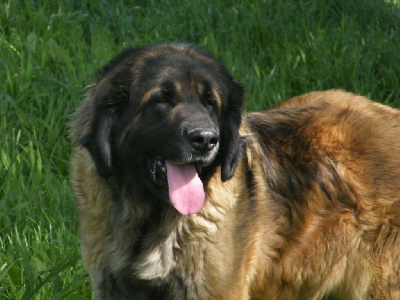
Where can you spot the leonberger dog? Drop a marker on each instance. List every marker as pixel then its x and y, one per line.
pixel 183 195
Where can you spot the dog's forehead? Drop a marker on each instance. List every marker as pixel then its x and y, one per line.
pixel 178 69
pixel 182 71
pixel 196 79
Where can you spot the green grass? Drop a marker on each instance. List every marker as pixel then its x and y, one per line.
pixel 49 51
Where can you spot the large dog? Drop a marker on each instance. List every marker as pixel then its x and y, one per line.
pixel 183 196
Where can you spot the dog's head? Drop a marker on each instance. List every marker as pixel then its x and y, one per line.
pixel 162 116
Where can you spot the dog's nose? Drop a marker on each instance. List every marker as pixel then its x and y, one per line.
pixel 203 140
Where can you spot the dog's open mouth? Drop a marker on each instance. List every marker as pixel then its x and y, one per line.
pixel 158 171
pixel 185 189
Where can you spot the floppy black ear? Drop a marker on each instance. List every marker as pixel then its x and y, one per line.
pixel 92 125
pixel 99 142
pixel 231 143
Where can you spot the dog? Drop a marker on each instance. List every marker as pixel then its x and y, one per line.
pixel 183 195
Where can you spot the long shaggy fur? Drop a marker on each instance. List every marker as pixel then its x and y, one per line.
pixel 302 200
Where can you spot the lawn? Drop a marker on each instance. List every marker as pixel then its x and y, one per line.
pixel 50 50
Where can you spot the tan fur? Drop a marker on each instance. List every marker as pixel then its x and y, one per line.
pixel 342 241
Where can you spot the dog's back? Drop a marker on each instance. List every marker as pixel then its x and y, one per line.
pixel 332 163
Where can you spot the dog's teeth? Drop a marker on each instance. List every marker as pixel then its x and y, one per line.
pixel 159 163
pixel 164 169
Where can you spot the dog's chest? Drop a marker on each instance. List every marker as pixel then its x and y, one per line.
pixel 159 261
pixel 172 264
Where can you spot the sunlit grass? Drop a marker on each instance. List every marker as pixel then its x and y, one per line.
pixel 49 51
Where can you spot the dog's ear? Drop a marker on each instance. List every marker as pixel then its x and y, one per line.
pixel 231 143
pixel 99 142
pixel 92 124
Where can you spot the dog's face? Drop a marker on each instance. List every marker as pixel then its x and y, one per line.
pixel 161 117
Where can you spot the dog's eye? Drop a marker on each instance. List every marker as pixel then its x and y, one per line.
pixel 164 97
pixel 209 100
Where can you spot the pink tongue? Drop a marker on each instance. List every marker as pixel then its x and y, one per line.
pixel 185 188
